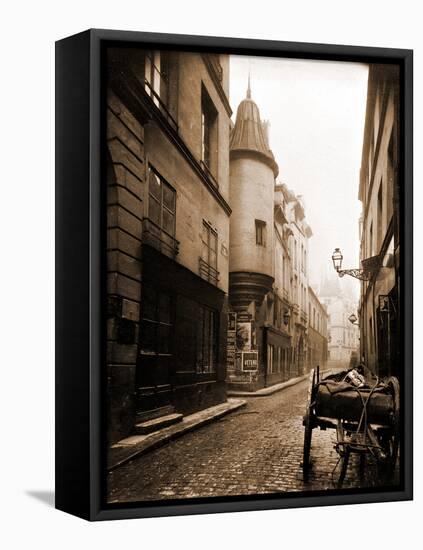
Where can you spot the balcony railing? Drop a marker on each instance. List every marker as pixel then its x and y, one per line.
pixel 160 104
pixel 208 272
pixel 158 238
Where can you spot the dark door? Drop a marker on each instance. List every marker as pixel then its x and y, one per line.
pixel 155 354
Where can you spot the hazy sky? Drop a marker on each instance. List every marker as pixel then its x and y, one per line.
pixel 316 111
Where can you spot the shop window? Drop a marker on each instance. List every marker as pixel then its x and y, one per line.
pixel 156 322
pixel 207 341
pixel 270 352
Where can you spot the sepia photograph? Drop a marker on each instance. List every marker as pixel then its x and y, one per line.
pixel 254 342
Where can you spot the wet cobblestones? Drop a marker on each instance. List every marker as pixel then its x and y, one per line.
pixel 253 451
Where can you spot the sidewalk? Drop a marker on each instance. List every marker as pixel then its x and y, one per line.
pixel 263 392
pixel 131 447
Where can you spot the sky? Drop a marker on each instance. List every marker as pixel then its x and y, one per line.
pixel 316 112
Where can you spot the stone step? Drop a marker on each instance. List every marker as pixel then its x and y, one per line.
pixel 150 426
pixel 154 413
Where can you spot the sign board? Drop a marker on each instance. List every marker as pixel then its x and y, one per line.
pixel 243 336
pixel 231 341
pixel 244 317
pixel 250 361
pixel 231 321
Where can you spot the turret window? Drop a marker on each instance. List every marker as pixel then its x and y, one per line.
pixel 260 233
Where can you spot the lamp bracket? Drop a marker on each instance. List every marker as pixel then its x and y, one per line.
pixel 362 274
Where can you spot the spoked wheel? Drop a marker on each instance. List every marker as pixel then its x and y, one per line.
pixel 390 441
pixel 308 426
pixel 395 437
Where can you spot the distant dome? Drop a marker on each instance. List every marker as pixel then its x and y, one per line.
pixel 248 135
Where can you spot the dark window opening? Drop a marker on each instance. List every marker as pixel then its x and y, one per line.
pixel 209 134
pixel 207 341
pixel 156 322
pixel 260 233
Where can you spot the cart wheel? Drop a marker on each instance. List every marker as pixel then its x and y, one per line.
pixel 393 382
pixel 390 441
pixel 308 427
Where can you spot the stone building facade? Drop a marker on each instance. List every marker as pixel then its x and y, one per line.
pixel 268 263
pixel 168 120
pixel 317 332
pixel 343 337
pixel 298 242
pixel 251 275
pixel 379 224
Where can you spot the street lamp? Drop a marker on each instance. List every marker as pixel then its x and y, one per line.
pixel 337 259
pixel 362 274
pixel 353 319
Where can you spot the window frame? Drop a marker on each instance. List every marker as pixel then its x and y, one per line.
pixel 208 367
pixel 160 233
pixel 209 121
pixel 208 269
pixel 261 233
pixel 157 75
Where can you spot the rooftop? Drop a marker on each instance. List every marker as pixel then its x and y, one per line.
pixel 249 134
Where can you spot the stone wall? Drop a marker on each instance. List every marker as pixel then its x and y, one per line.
pixel 126 175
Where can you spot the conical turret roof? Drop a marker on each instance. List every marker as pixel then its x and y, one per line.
pixel 248 134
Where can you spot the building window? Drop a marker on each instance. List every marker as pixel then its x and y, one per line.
pixel 371 240
pixel 260 233
pixel 156 325
pixel 270 351
pixel 209 134
pixel 207 330
pixel 156 76
pixel 159 228
pixel 208 260
pixel 379 215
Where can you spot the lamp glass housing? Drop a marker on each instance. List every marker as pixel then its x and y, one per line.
pixel 352 318
pixel 337 259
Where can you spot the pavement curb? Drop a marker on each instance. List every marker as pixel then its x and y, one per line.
pixel 264 392
pixel 125 453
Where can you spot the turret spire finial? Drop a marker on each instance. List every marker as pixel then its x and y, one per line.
pixel 249 87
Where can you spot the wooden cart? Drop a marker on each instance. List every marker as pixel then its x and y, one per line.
pixel 366 421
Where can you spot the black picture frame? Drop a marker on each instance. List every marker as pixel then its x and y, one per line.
pixel 80 271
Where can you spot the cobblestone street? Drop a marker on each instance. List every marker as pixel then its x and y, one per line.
pixel 256 450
